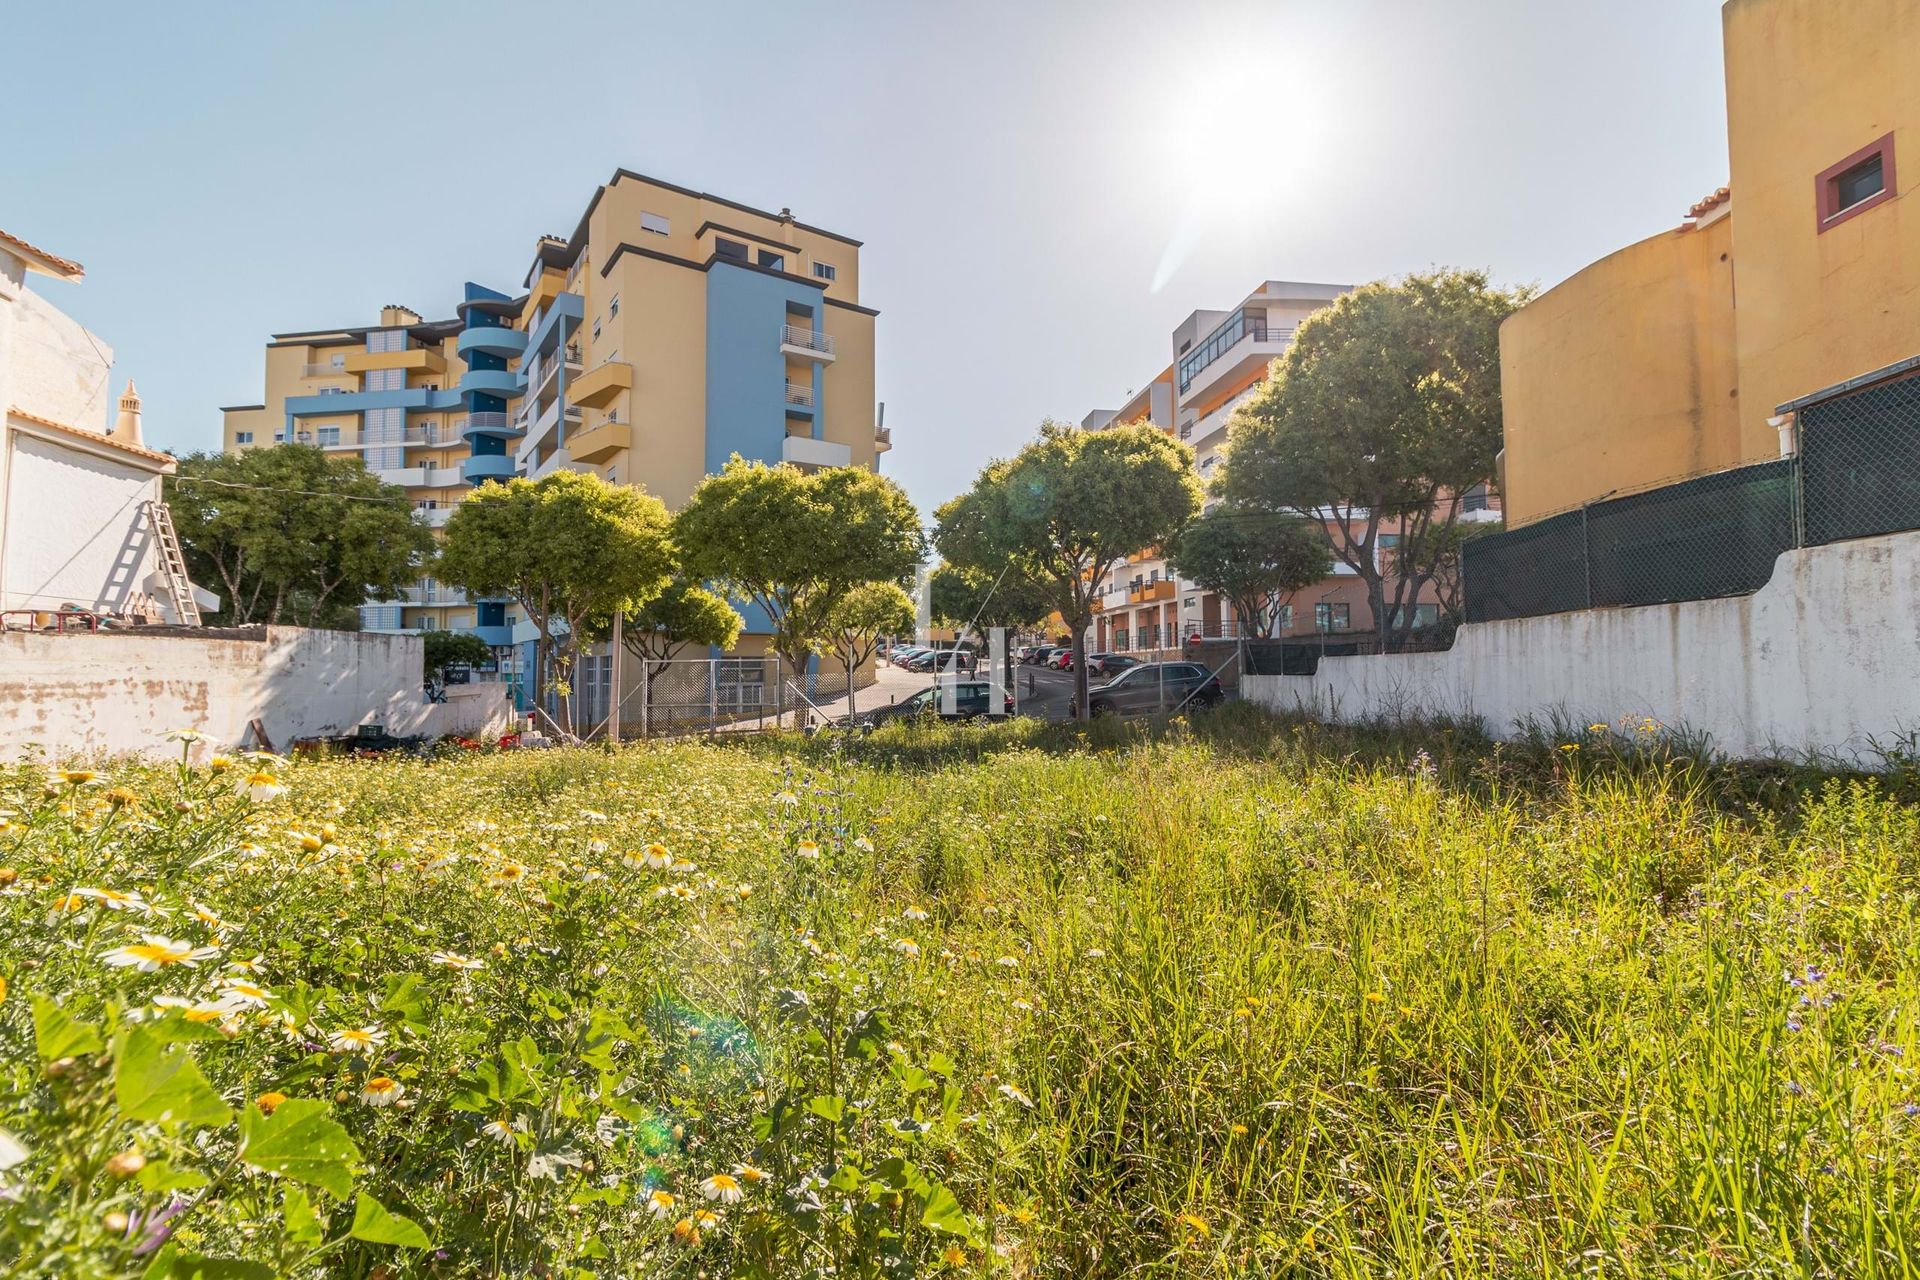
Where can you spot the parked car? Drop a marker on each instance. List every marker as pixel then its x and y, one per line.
pixel 1107 665
pixel 1061 659
pixel 944 660
pixel 1157 686
pixel 972 700
pixel 1023 652
pixel 1037 656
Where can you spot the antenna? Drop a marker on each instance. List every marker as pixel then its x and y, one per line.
pixel 881 421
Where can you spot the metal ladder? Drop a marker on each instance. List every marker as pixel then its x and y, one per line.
pixel 173 565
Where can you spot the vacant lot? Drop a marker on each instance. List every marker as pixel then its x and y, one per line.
pixel 1241 997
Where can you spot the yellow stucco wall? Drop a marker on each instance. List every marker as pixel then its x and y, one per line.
pixel 1809 82
pixel 1623 375
pixel 1669 357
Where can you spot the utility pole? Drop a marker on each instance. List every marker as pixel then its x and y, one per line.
pixel 619 648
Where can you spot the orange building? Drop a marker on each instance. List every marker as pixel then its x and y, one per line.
pixel 1680 354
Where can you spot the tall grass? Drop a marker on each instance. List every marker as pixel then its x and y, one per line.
pixel 1285 999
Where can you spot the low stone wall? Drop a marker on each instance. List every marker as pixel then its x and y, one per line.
pixel 1823 660
pixel 114 692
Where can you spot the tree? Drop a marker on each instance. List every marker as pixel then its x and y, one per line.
pixel 452 649
pixel 865 614
pixel 1255 559
pixel 293 534
pixel 972 598
pixel 1441 559
pixel 797 543
pixel 1384 410
pixel 684 614
pixel 569 549
pixel 1066 509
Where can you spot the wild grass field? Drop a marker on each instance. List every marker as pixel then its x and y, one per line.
pixel 1237 997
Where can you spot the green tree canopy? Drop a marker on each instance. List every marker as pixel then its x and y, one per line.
pixel 1255 559
pixel 864 615
pixel 569 549
pixel 292 534
pixel 797 543
pixel 1066 509
pixel 972 599
pixel 451 649
pixel 1384 410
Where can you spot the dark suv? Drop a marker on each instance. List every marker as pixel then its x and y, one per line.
pixel 1157 686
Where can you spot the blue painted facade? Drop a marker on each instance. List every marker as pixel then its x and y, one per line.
pixel 746 373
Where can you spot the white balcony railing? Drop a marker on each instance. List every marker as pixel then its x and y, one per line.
pixel 486 420
pixel 799 396
pixel 806 339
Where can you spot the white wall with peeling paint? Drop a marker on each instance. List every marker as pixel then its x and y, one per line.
pixel 1825 659
pixel 117 692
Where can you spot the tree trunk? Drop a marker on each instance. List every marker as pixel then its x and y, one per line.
pixel 1079 639
pixel 853 712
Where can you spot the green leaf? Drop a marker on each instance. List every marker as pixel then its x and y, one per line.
pixel 160 1175
pixel 162 1265
pixel 943 1212
pixel 59 1036
pixel 302 1142
pixel 376 1226
pixel 830 1109
pixel 160 1082
pixel 941 1065
pixel 192 1266
pixel 303 1224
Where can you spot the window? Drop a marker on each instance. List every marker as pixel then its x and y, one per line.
pixel 326 435
pixel 613 306
pixel 655 223
pixel 772 261
pixel 1332 617
pixel 1424 615
pixel 428 464
pixel 1475 499
pixel 1286 617
pixel 726 248
pixel 824 271
pixel 596 329
pixel 1856 184
pixel 243 437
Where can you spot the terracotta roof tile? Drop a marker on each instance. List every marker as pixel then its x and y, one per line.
pixel 1701 208
pixel 62 266
pixel 94 437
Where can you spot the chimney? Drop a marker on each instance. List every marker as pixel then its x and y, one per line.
pixel 126 425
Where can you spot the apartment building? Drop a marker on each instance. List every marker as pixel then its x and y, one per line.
pixel 1220 358
pixel 1685 352
pixel 671 330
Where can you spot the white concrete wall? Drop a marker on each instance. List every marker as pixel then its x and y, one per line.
pixel 124 691
pixel 1824 659
pixel 56 369
pixel 76 530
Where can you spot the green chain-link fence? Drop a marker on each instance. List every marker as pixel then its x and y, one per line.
pixel 1860 462
pixel 1857 473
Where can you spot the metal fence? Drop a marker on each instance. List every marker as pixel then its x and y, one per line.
pixel 704 695
pixel 1856 473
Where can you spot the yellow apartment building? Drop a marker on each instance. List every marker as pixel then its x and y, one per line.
pixel 671 330
pixel 1682 353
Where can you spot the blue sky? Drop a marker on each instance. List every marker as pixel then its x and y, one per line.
pixel 1044 189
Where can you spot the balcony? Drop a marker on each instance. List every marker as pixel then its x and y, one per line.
pixel 799 396
pixel 433 517
pixel 805 451
pixel 435 594
pixel 497 636
pixel 601 442
pixel 412 359
pixel 420 477
pixel 806 344
pixel 487 466
pixel 1240 338
pixel 598 389
pixel 325 371
pixel 490 422
pixel 882 439
pixel 494 339
pixel 1148 592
